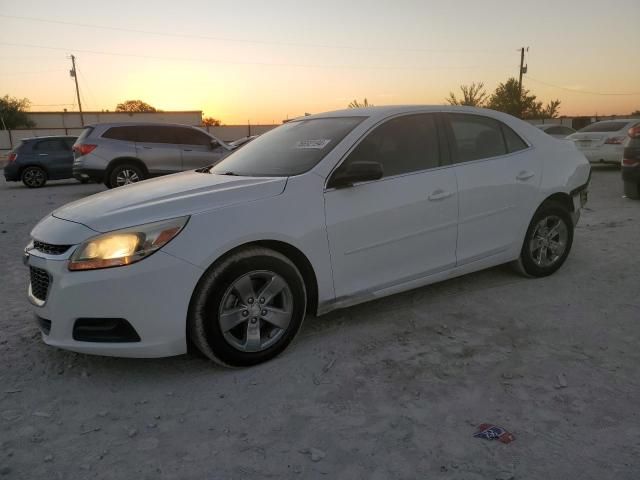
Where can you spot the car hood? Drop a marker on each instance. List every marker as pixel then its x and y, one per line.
pixel 185 193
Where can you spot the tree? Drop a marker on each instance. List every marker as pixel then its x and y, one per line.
pixel 13 113
pixel 135 106
pixel 210 122
pixel 551 110
pixel 473 95
pixel 357 104
pixel 507 99
pixel 636 113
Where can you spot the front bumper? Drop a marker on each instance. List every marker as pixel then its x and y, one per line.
pixel 152 295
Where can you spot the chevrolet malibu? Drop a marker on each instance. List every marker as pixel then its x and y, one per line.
pixel 323 212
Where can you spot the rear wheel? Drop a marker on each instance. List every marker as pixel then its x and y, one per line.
pixel 124 174
pixel 34 177
pixel 247 309
pixel 547 242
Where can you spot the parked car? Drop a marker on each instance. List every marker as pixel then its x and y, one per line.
pixel 36 160
pixel 557 131
pixel 323 212
pixel 122 153
pixel 241 141
pixel 631 164
pixel 601 142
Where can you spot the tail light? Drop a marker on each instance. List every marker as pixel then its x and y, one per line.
pixel 12 157
pixel 614 140
pixel 84 148
pixel 630 162
pixel 634 132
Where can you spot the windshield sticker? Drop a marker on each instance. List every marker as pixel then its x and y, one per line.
pixel 317 144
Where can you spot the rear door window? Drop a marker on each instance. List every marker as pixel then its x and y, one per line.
pixel 156 134
pixel 50 145
pixel 476 137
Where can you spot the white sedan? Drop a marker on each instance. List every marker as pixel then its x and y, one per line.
pixel 602 142
pixel 322 212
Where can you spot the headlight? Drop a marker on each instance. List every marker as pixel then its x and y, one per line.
pixel 123 247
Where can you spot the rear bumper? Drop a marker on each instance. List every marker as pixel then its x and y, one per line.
pixel 604 154
pixel 631 174
pixel 80 173
pixel 11 173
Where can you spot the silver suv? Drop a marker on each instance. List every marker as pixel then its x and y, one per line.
pixel 122 153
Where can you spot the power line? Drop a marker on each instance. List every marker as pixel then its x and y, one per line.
pixel 230 62
pixel 586 92
pixel 239 40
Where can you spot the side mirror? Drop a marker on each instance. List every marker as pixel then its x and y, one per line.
pixel 214 144
pixel 355 172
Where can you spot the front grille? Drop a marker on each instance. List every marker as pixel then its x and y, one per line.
pixel 49 248
pixel 39 283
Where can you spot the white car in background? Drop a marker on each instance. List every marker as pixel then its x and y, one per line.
pixel 323 212
pixel 602 142
pixel 556 130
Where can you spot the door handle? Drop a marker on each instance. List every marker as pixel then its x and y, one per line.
pixel 148 148
pixel 439 194
pixel 188 150
pixel 524 175
pixel 44 154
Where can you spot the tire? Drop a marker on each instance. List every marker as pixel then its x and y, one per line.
pixel 632 190
pixel 124 174
pixel 222 297
pixel 84 181
pixel 34 177
pixel 552 231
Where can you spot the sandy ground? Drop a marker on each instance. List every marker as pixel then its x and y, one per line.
pixel 387 390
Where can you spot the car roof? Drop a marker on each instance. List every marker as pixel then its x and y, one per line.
pixel 139 124
pixel 390 110
pixel 45 137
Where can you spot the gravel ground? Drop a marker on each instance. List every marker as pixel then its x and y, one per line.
pixel 390 389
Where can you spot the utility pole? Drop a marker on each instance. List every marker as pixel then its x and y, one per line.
pixel 72 72
pixel 523 70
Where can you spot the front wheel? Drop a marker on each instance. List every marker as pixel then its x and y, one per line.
pixel 547 242
pixel 247 309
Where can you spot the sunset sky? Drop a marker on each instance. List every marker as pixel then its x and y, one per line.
pixel 265 61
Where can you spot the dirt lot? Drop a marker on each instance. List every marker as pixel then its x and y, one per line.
pixel 389 389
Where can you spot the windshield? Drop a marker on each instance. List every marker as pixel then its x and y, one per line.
pixel 291 149
pixel 604 127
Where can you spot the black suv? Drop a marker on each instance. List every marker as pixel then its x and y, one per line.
pixel 631 164
pixel 39 159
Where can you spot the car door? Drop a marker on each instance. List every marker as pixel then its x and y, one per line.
pixel 198 149
pixel 497 176
pixel 56 157
pixel 403 226
pixel 156 146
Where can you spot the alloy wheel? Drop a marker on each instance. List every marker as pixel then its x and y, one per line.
pixel 549 241
pixel 33 177
pixel 256 311
pixel 126 176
